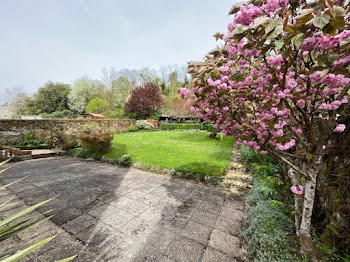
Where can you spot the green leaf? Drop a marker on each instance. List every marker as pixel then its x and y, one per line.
pixel 26 251
pixel 5 161
pixel 286 53
pixel 261 20
pixel 239 30
pixel 303 19
pixel 298 40
pixel 324 73
pixel 5 186
pixel 279 44
pixel 308 156
pixel 278 29
pixel 327 59
pixel 272 25
pixel 338 11
pixel 66 259
pixel 321 20
pixel 22 213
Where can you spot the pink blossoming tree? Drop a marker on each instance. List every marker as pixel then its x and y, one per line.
pixel 279 85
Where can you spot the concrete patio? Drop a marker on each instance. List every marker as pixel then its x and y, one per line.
pixel 106 213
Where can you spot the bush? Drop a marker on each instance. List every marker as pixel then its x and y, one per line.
pixel 59 114
pixel 132 128
pixel 31 141
pixel 85 153
pixel 117 113
pixel 125 160
pixel 144 101
pixel 181 126
pixel 154 122
pixel 98 141
pixel 269 234
pixel 144 125
pixel 97 105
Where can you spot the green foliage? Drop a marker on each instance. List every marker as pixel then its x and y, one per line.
pixel 270 231
pixel 97 105
pixel 117 113
pixel 208 126
pixel 125 160
pixel 84 89
pixel 97 141
pixel 181 126
pixel 17 223
pixel 31 141
pixel 144 125
pixel 133 128
pixel 85 153
pixel 329 254
pixel 50 98
pixel 59 114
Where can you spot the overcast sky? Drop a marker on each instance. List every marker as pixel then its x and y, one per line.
pixel 62 40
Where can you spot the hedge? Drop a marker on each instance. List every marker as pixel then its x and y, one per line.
pixel 181 126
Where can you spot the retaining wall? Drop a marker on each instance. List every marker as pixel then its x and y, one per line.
pixel 10 129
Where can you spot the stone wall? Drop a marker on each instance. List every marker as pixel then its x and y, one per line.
pixel 11 129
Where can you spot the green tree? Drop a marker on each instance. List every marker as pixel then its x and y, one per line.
pixel 97 105
pixel 84 89
pixel 50 98
pixel 121 90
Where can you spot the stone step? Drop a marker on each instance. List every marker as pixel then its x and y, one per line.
pixel 238 176
pixel 237 184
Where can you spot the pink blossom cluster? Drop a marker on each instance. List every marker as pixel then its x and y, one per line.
pixel 249 12
pixel 298 190
pixel 266 103
pixel 321 41
pixel 184 93
pixel 275 61
pixel 340 128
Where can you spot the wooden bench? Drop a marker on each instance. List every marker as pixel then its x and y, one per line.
pixel 6 152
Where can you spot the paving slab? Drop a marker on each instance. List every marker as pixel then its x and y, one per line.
pixel 103 212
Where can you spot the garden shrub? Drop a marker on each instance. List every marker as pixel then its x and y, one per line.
pixel 125 160
pixel 85 153
pixel 269 236
pixel 144 101
pixel 154 122
pixel 33 141
pixel 99 141
pixel 133 128
pixel 144 125
pixel 172 126
pixel 59 114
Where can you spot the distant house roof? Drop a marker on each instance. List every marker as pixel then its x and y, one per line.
pixel 95 115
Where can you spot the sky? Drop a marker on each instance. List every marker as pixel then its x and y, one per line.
pixel 62 40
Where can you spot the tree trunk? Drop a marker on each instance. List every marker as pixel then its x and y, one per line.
pixel 213 133
pixel 298 201
pixel 307 246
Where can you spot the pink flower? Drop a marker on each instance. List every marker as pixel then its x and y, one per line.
pixel 184 93
pixel 300 103
pixel 297 191
pixel 323 147
pixel 340 128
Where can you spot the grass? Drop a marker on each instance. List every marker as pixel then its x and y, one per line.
pixel 183 151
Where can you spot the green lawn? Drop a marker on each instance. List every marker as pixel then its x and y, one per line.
pixel 181 150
